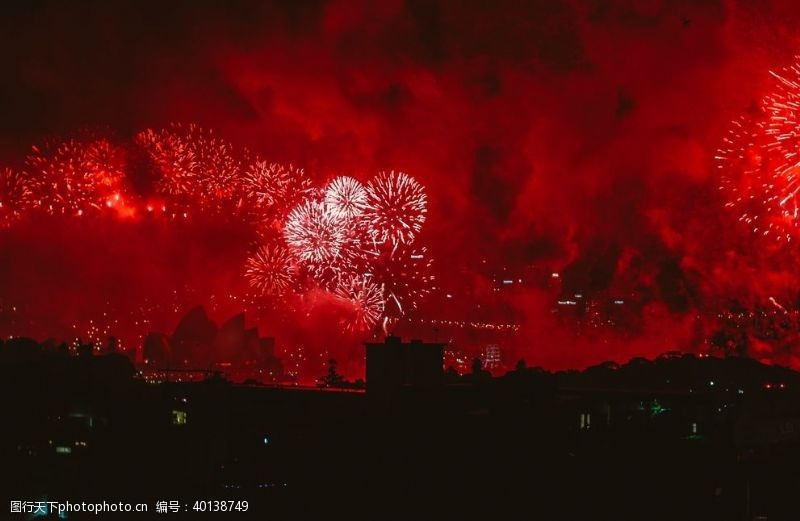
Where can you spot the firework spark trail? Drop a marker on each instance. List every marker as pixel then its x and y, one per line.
pixel 297 186
pixel 395 208
pixel 777 304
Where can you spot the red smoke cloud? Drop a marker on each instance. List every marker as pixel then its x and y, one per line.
pixel 576 138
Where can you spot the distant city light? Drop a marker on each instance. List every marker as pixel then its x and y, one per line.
pixel 179 417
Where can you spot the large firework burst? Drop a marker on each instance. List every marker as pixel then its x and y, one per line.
pixel 395 207
pixel 315 233
pixel 760 161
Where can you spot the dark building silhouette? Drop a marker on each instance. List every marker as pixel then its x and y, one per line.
pixel 198 346
pixel 230 339
pixel 156 349
pixel 194 337
pixel 679 437
pixel 394 365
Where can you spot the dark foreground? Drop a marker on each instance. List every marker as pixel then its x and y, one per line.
pixel 674 439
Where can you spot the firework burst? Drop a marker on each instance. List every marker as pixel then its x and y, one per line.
pixel 315 233
pixel 346 196
pixel 364 297
pixel 269 270
pixel 219 169
pixel 760 161
pixel 345 240
pixel 404 275
pixel 395 207
pixel 174 158
pixel 272 189
pixel 265 182
pixel 15 195
pixel 194 166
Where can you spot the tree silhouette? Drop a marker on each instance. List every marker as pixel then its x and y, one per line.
pixel 333 378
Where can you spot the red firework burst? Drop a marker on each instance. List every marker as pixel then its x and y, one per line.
pixel 347 240
pixel 395 207
pixel 760 161
pixel 73 177
pixel 174 158
pixel 194 165
pixel 273 188
pixel 269 270
pixel 364 297
pixel 265 182
pixel 15 195
pixel 220 170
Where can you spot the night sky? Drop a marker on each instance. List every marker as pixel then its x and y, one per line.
pixel 575 138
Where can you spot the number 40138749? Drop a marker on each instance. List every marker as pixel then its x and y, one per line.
pixel 221 506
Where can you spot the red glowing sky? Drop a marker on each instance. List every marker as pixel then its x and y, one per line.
pixel 575 135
